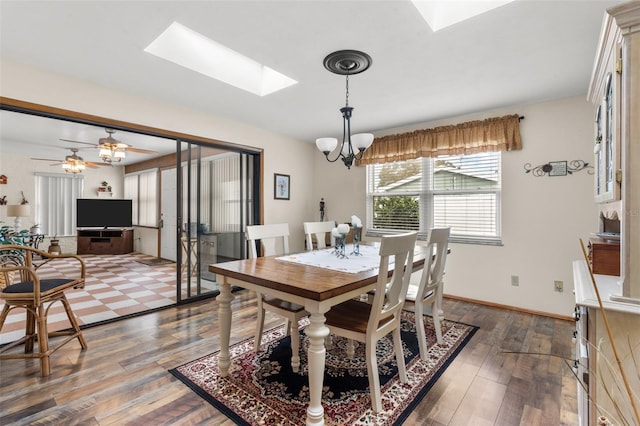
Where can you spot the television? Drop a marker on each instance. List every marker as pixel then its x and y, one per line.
pixel 103 213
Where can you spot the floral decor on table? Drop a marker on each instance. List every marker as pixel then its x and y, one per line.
pixel 356 224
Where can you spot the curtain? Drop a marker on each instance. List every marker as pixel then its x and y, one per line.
pixel 492 134
pixel 225 193
pixel 142 189
pixel 56 196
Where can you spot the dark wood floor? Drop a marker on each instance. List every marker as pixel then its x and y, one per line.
pixel 122 378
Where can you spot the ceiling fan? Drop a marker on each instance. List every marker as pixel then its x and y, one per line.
pixel 111 149
pixel 72 163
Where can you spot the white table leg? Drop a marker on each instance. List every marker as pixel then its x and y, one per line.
pixel 224 317
pixel 317 332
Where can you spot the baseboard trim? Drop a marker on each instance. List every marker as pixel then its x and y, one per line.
pixel 511 308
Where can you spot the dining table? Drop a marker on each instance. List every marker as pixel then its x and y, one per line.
pixel 310 279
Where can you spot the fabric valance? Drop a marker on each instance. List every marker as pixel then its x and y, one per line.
pixel 492 134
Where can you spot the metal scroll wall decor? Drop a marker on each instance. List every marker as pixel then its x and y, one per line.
pixel 558 168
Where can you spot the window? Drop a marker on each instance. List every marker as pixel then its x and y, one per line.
pixel 460 191
pixel 56 196
pixel 142 189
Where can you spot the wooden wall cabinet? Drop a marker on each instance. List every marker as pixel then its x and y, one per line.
pixel 604 257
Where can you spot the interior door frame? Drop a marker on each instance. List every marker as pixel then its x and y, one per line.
pixel 16 105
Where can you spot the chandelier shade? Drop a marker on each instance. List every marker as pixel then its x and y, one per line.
pixel 346 62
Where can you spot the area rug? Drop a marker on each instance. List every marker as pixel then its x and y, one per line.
pixel 262 388
pixel 154 261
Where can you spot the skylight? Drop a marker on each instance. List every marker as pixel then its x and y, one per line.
pixel 187 48
pixel 444 13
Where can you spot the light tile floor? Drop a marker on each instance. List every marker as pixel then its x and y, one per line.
pixel 116 285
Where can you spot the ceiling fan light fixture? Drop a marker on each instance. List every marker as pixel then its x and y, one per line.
pixel 119 154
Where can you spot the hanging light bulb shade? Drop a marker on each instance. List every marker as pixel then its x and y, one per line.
pixel 119 154
pixel 105 154
pixel 346 62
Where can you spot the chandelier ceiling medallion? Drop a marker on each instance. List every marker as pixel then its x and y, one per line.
pixel 346 62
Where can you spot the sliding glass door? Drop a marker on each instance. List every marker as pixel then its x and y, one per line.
pixel 215 195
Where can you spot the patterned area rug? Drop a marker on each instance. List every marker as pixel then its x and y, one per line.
pixel 262 389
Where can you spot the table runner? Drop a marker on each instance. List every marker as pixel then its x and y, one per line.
pixel 351 264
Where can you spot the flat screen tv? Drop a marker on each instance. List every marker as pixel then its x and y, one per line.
pixel 102 213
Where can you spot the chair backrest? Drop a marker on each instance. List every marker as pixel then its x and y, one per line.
pixel 12 257
pixel 274 239
pixel 320 230
pixel 437 246
pixel 391 294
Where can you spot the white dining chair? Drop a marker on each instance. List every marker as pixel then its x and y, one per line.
pixel 274 240
pixel 319 230
pixel 369 322
pixel 424 294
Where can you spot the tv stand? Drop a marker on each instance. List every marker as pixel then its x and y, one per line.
pixel 105 241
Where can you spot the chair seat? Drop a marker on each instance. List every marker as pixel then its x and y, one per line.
pixel 412 293
pixel 351 315
pixel 45 286
pixel 282 304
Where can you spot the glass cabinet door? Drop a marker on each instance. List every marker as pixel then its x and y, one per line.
pixel 606 151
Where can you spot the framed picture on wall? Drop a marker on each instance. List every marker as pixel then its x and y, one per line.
pixel 281 185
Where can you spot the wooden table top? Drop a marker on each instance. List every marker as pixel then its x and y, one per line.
pixel 310 282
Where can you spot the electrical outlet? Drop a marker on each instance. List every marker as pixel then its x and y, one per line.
pixel 515 280
pixel 559 286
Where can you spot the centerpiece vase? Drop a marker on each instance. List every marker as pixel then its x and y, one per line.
pixel 356 240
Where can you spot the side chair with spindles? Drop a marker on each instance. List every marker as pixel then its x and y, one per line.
pixel 23 286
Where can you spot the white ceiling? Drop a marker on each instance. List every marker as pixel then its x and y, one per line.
pixel 523 52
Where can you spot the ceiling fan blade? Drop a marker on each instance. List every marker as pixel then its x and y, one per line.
pixel 141 151
pixel 44 159
pixel 94 164
pixel 84 143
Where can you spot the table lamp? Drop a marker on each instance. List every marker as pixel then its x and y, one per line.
pixel 18 211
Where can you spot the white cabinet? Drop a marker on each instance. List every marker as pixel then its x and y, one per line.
pixel 615 92
pixel 602 391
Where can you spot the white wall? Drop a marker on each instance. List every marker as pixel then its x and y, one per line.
pixel 543 217
pixel 281 154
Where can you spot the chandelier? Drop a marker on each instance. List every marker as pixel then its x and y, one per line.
pixel 73 163
pixel 346 62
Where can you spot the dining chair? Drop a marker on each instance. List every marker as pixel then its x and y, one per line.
pixel 320 231
pixel 274 240
pixel 22 285
pixel 369 322
pixel 426 293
